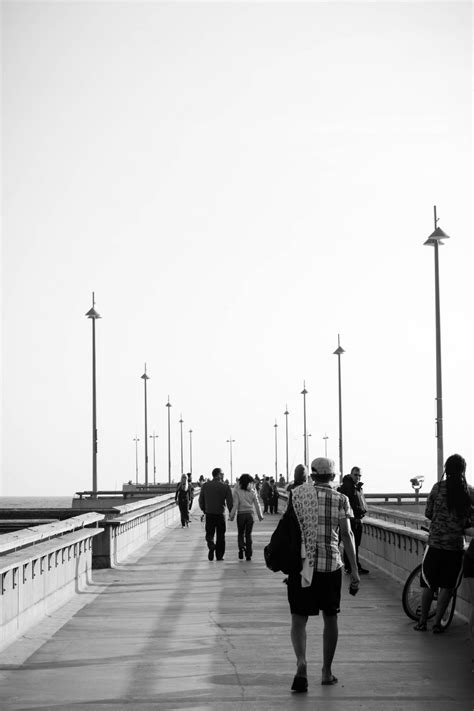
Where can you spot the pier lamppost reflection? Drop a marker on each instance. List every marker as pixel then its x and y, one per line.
pixel 93 315
pixel 339 351
pixel 276 450
pixel 230 441
pixel 434 240
pixel 181 436
pixel 136 440
pixel 325 438
pixel 168 405
pixel 153 437
pixel 304 392
pixel 191 452
pixel 145 377
pixel 286 413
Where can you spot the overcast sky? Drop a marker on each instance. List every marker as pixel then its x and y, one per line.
pixel 238 183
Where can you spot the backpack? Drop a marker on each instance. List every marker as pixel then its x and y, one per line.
pixel 283 552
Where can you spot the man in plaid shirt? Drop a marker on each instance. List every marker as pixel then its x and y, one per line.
pixel 321 512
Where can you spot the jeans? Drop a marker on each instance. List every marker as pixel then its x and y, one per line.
pixel 215 525
pixel 244 533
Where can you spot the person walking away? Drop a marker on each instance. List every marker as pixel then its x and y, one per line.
pixel 322 514
pixel 448 508
pixel 182 499
pixel 468 575
pixel 265 493
pixel 245 501
pixel 299 477
pixel 274 498
pixel 352 487
pixel 214 496
pixel 190 490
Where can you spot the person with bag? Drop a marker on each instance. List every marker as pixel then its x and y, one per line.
pixel 352 487
pixel 244 503
pixel 322 513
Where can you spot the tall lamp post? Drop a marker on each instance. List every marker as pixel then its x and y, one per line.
pixel 168 405
pixel 191 452
pixel 325 438
pixel 434 240
pixel 153 437
pixel 339 351
pixel 286 413
pixel 145 377
pixel 181 435
pixel 276 450
pixel 93 315
pixel 230 440
pixel 136 440
pixel 304 392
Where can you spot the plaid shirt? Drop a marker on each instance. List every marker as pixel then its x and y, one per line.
pixel 332 508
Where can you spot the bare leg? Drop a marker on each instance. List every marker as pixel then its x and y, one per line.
pixel 298 639
pixel 426 600
pixel 444 596
pixel 330 636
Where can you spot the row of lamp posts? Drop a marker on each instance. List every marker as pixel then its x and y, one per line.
pixel 434 240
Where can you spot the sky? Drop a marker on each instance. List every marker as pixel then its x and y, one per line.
pixel 238 183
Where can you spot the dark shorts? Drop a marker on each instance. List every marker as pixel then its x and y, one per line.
pixel 441 568
pixel 323 594
pixel 468 566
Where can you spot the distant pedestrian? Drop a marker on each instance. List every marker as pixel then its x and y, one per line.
pixel 245 502
pixel 182 499
pixel 352 487
pixel 274 496
pixel 190 490
pixel 321 512
pixel 448 508
pixel 300 476
pixel 214 496
pixel 265 491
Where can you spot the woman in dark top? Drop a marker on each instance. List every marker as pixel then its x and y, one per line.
pixel 448 508
pixel 182 499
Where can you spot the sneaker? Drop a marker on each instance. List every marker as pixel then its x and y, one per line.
pixel 241 553
pixel 363 571
pixel 210 555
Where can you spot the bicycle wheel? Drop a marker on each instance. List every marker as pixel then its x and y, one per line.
pixel 411 596
pixel 411 600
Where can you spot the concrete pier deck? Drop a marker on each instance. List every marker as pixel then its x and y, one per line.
pixel 172 630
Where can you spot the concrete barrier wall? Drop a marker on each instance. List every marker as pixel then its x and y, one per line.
pixel 38 578
pixel 132 527
pixel 397 550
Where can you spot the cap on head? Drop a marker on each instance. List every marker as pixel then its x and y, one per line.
pixel 323 467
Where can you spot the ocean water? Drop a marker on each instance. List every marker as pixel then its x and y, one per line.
pixel 35 502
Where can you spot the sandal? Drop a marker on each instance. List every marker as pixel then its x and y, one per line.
pixel 421 627
pixel 437 629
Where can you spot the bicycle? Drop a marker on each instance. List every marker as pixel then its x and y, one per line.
pixel 411 598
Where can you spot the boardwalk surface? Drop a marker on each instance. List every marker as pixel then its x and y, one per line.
pixel 172 630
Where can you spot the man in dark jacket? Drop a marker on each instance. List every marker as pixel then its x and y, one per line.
pixel 352 487
pixel 213 498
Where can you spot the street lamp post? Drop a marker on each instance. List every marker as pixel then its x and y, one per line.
pixel 325 438
pixel 276 450
pixel 136 440
pixel 434 240
pixel 153 437
pixel 191 452
pixel 145 377
pixel 286 413
pixel 339 351
pixel 168 405
pixel 304 392
pixel 181 435
pixel 230 440
pixel 93 315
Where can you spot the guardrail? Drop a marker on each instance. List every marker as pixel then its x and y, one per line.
pixel 41 568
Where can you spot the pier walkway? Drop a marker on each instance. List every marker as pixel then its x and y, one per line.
pixel 171 630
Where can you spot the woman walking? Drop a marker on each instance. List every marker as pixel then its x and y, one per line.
pixel 182 499
pixel 448 508
pixel 244 502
